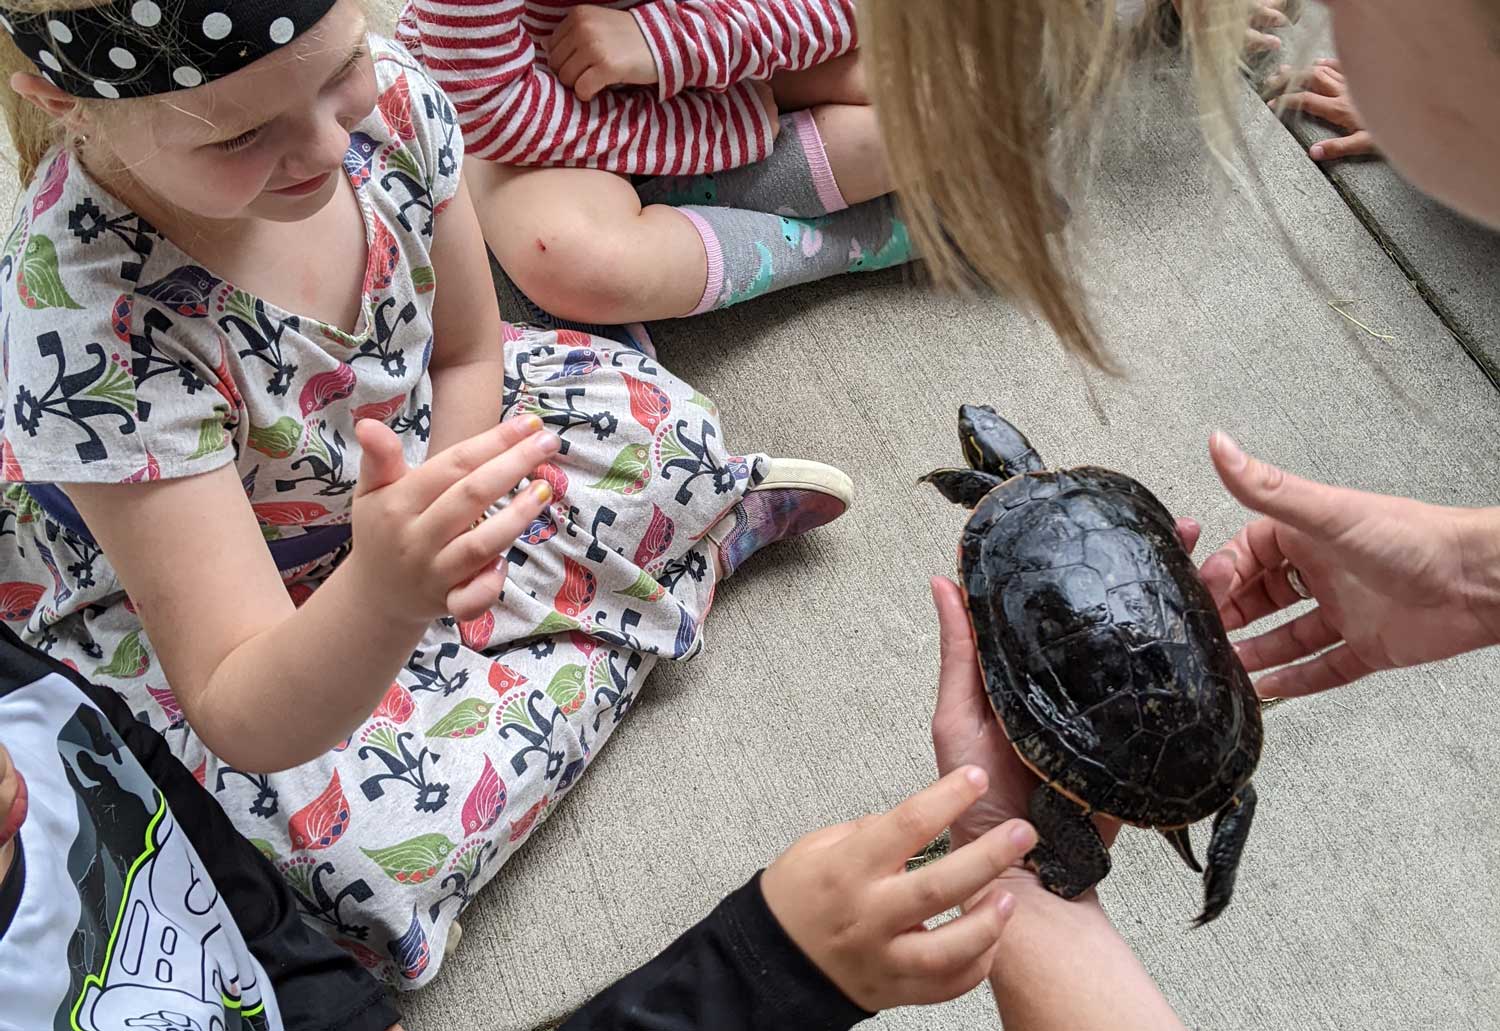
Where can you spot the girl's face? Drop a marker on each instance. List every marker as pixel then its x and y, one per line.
pixel 266 142
pixel 1426 78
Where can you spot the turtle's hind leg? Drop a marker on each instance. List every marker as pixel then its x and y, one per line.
pixel 1231 828
pixel 965 487
pixel 1070 857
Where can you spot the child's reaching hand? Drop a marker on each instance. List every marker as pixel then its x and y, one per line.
pixel 421 538
pixel 595 48
pixel 844 896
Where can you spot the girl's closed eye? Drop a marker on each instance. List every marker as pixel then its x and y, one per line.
pixel 245 139
pixel 238 143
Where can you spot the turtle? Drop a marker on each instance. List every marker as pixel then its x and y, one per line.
pixel 1105 659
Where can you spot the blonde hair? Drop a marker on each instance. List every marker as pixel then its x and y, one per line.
pixel 32 132
pixel 983 104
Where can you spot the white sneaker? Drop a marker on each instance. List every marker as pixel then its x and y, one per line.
pixel 796 496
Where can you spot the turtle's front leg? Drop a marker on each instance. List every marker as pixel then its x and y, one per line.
pixel 964 487
pixel 1070 857
pixel 1231 828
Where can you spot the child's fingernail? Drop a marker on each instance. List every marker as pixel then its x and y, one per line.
pixel 530 423
pixel 974 775
pixel 1006 905
pixel 543 490
pixel 548 443
pixel 1022 836
pixel 1316 152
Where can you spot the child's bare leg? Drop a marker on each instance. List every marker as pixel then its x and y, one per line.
pixel 580 244
pixel 835 92
pixel 856 150
pixel 840 81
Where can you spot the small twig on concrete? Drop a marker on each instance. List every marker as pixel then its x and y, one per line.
pixel 1339 306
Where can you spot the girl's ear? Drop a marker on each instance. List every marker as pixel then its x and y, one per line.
pixel 60 106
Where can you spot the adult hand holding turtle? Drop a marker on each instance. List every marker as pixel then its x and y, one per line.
pixel 1397 582
pixel 1034 973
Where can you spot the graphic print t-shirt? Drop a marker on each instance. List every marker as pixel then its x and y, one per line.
pixel 109 919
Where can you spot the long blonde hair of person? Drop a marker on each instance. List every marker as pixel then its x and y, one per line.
pixel 982 101
pixel 32 131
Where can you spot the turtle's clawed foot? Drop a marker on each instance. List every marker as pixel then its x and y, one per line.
pixel 1231 828
pixel 1070 857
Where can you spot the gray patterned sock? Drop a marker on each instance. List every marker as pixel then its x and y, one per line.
pixel 751 253
pixel 795 180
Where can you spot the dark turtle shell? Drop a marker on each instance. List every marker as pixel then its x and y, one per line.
pixel 1103 652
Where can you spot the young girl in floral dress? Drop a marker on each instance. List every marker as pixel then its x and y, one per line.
pixel 257 477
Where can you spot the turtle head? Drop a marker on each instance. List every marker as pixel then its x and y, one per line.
pixel 992 445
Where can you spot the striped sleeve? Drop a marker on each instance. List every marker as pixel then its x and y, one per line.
pixel 713 44
pixel 513 110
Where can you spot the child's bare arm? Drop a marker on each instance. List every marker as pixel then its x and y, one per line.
pixel 268 686
pixel 468 354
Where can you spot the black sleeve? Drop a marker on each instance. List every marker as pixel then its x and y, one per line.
pixel 318 986
pixel 735 971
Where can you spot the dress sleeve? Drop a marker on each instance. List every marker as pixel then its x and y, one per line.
pixel 101 394
pixel 514 111
pixel 713 44
pixel 735 971
pixel 422 122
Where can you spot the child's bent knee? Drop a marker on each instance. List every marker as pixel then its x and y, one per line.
pixel 573 270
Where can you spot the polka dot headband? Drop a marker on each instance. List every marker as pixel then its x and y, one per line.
pixel 140 48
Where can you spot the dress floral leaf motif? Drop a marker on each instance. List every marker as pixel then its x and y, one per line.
pixel 132 361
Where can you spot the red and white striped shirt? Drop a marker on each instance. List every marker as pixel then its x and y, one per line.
pixel 705 117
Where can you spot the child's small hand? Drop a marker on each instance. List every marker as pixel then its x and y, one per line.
pixel 12 804
pixel 595 48
pixel 1323 92
pixel 421 543
pixel 844 896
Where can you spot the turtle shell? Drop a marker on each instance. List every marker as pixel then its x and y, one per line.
pixel 1102 651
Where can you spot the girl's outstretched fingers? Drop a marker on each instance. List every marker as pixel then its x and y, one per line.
pixel 469 560
pixel 907 829
pixel 958 877
pixel 951 960
pixel 845 898
pixel 471 496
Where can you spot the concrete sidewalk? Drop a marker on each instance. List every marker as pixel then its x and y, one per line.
pixel 1370 892
pixel 1453 262
pixel 1369 888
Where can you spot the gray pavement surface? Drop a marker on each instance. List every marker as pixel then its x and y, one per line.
pixel 1370 892
pixel 1454 262
pixel 1368 897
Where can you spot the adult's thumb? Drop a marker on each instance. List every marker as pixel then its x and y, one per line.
pixel 1316 509
pixel 382 461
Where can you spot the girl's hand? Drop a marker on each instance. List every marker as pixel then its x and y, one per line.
pixel 595 48
pixel 844 896
pixel 422 545
pixel 1323 93
pixel 1396 582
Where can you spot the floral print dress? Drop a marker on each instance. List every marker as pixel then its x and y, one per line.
pixel 125 361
